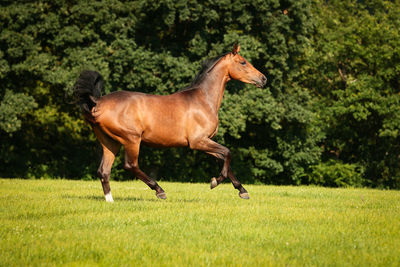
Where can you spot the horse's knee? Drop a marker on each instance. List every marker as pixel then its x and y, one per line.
pixel 225 154
pixel 104 175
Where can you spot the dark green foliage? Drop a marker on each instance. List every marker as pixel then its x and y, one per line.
pixel 12 107
pixel 276 134
pixel 354 71
pixel 336 174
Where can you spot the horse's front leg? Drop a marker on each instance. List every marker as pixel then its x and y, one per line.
pixel 209 146
pixel 216 181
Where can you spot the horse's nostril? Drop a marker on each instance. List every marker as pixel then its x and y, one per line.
pixel 264 79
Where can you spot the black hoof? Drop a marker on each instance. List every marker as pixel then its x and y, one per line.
pixel 161 195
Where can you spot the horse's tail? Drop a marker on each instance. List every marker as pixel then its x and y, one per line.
pixel 87 90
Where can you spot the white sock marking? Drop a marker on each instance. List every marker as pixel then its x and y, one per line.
pixel 109 197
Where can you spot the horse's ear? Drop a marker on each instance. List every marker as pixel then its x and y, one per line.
pixel 236 49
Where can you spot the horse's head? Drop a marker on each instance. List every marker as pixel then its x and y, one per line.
pixel 240 69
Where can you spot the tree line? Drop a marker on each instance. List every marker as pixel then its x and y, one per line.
pixel 330 113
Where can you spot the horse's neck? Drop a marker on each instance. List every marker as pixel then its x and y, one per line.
pixel 214 85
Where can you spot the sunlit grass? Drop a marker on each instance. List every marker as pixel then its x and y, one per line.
pixel 56 222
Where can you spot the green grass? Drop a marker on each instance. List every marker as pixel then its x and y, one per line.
pixel 60 222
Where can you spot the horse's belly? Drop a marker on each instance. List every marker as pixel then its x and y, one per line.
pixel 164 137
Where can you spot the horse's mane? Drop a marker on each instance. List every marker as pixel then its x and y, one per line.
pixel 206 67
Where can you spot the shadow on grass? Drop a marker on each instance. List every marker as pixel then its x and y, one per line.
pixel 130 199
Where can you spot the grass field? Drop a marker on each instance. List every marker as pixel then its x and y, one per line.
pixel 60 222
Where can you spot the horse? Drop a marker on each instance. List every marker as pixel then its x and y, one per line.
pixel 186 118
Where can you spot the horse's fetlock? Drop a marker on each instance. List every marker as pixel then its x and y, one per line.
pixel 239 187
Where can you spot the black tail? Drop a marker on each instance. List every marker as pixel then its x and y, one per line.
pixel 87 90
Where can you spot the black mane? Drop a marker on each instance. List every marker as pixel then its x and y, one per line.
pixel 206 67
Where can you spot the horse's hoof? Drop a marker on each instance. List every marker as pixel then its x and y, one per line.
pixel 213 183
pixel 244 195
pixel 161 195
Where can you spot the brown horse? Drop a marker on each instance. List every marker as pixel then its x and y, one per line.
pixel 186 118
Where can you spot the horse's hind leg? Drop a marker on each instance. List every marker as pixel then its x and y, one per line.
pixel 110 150
pixel 131 164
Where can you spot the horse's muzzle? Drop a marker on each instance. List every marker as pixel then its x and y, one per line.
pixel 261 82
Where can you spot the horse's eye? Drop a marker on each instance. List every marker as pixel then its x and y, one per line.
pixel 243 63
